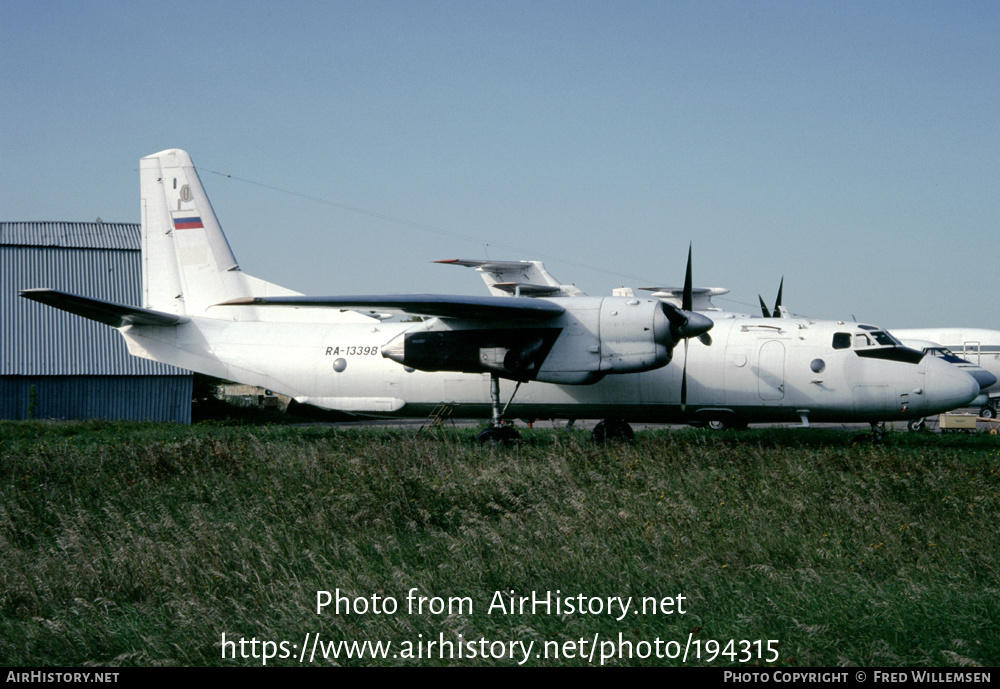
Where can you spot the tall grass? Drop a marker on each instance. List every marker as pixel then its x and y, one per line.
pixel 143 544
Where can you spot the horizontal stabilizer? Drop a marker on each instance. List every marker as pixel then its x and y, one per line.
pixel 443 305
pixel 527 289
pixel 701 296
pixel 107 312
pixel 519 278
pixel 488 266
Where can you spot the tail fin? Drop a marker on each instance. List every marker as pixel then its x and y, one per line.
pixel 187 263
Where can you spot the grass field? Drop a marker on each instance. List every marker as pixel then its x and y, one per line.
pixel 131 544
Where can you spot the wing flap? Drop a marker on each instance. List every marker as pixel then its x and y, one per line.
pixel 107 312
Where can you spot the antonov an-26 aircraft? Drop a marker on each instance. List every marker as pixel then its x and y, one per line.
pixel 539 351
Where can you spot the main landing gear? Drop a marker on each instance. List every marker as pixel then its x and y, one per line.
pixel 502 432
pixel 613 430
pixel 499 433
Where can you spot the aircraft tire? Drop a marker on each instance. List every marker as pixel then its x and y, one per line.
pixel 988 412
pixel 916 425
pixel 501 435
pixel 613 430
pixel 729 425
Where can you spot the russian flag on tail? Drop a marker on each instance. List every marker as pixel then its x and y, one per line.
pixel 189 223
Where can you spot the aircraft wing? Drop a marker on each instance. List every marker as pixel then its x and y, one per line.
pixel 107 312
pixel 442 305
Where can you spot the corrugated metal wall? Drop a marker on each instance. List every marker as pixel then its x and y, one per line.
pixel 100 260
pixel 132 398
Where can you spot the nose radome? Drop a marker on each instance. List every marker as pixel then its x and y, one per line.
pixel 948 387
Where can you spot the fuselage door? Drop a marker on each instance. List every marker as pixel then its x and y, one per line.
pixel 771 371
pixel 971 352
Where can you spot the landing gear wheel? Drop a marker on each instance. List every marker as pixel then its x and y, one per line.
pixel 873 438
pixel 729 424
pixel 988 412
pixel 499 435
pixel 916 425
pixel 614 430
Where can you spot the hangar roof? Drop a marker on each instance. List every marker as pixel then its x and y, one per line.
pixel 77 235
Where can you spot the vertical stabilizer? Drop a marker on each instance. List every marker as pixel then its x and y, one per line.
pixel 187 263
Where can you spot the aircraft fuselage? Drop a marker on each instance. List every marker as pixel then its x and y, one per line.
pixel 754 371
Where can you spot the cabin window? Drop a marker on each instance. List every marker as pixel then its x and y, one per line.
pixel 841 340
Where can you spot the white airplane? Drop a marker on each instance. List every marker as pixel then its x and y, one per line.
pixel 977 346
pixel 559 354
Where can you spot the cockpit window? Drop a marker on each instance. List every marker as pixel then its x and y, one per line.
pixel 873 338
pixel 946 354
pixel 884 338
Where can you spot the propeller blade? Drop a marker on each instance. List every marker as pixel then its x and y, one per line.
pixel 777 302
pixel 684 378
pixel 686 323
pixel 688 299
pixel 763 307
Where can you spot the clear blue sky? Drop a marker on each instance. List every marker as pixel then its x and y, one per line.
pixel 853 147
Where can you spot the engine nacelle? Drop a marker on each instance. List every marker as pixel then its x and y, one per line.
pixel 439 345
pixel 592 338
pixel 635 335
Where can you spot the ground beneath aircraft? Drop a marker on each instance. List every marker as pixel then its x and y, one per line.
pixel 932 424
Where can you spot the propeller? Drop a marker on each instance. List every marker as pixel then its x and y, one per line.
pixel 763 307
pixel 685 323
pixel 777 313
